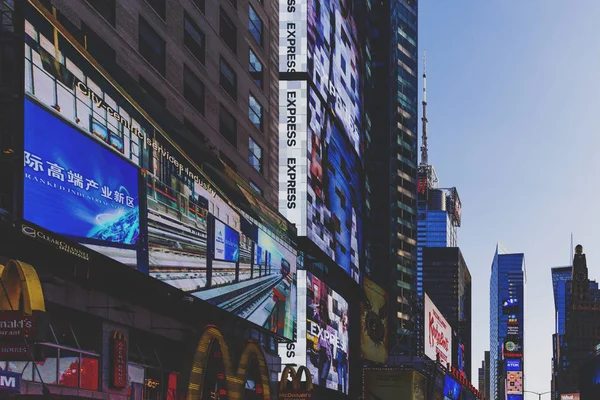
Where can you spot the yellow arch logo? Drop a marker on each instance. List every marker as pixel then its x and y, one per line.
pixel 20 287
pixel 296 379
pixel 234 379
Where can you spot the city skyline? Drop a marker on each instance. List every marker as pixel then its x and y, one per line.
pixel 522 158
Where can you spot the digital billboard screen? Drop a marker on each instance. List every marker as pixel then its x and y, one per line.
pixel 249 271
pixel 514 382
pixel 327 336
pixel 513 364
pixel 374 325
pixel 451 389
pixel 438 333
pixel 227 242
pixel 74 186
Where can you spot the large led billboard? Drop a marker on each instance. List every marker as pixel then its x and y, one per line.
pixel 321 127
pixel 438 334
pixel 374 324
pixel 452 389
pixel 327 336
pixel 514 382
pixel 75 186
pixel 83 127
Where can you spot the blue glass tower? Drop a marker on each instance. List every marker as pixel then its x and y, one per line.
pixel 506 321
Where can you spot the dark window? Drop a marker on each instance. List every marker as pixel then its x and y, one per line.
pixel 193 89
pixel 106 8
pixel 255 25
pixel 228 126
pixel 233 3
pixel 193 38
pixel 152 46
pixel 255 187
pixel 255 112
pixel 152 92
pixel 255 156
pixel 228 161
pixel 193 129
pixel 201 4
pixel 256 69
pixel 159 6
pixel 97 47
pixel 228 79
pixel 228 31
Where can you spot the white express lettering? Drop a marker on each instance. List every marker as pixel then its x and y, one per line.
pixel 316 330
pixel 291 45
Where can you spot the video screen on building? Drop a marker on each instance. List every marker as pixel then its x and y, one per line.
pixel 327 336
pixel 451 389
pixel 374 325
pixel 198 240
pixel 74 186
pixel 513 364
pixel 438 333
pixel 514 382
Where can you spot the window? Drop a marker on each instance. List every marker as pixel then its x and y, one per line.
pixel 97 47
pixel 152 92
pixel 200 4
pixel 255 25
pixel 106 8
pixel 256 69
pixel 228 79
pixel 227 161
pixel 255 187
pixel 255 156
pixel 193 38
pixel 228 31
pixel 255 112
pixel 159 6
pixel 228 126
pixel 152 46
pixel 193 89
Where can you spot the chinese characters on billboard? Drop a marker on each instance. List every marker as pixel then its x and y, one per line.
pixel 327 336
pixel 82 128
pixel 374 327
pixel 438 333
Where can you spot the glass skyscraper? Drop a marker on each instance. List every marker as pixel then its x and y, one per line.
pixel 506 318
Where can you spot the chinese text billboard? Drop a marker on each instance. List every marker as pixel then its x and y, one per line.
pixel 197 239
pixel 374 323
pixel 327 336
pixel 438 333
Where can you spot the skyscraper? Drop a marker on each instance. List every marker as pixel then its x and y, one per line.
pixel 447 281
pixel 391 165
pixel 506 324
pixel 484 376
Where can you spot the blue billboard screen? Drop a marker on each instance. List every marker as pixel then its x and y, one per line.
pixel 227 242
pixel 451 389
pixel 513 364
pixel 74 186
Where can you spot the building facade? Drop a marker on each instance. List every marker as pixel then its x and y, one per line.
pixel 447 281
pixel 391 170
pixel 506 325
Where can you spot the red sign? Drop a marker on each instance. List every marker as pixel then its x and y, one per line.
pixel 14 326
pixel 119 361
pixel 421 186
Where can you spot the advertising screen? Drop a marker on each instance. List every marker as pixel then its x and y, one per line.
pixel 451 389
pixel 227 242
pixel 510 306
pixel 513 364
pixel 438 333
pixel 374 325
pixel 198 240
pixel 569 396
pixel 512 347
pixel 294 353
pixel 74 186
pixel 327 336
pixel 514 382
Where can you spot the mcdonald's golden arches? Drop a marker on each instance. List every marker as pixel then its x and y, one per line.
pixel 299 389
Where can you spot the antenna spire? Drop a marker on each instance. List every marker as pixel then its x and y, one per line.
pixel 424 157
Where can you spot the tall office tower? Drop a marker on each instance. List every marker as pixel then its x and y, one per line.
pixel 582 325
pixel 211 65
pixel 560 276
pixel 447 282
pixel 391 172
pixel 486 375
pixel 506 325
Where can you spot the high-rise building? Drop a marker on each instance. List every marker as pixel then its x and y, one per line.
pixel 506 324
pixel 581 326
pixel 391 166
pixel 484 376
pixel 560 276
pixel 447 281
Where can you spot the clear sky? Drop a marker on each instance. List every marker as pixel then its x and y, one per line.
pixel 513 108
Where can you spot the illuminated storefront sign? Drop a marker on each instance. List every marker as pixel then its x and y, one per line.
pixel 299 390
pixel 438 334
pixel 119 360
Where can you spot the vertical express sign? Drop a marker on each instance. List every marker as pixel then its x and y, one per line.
pixel 293 33
pixel 293 159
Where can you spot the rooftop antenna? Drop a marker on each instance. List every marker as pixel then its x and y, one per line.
pixel 424 158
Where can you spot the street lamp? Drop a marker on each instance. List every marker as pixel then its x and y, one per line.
pixel 539 394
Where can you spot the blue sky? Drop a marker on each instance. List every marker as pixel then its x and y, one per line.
pixel 513 96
